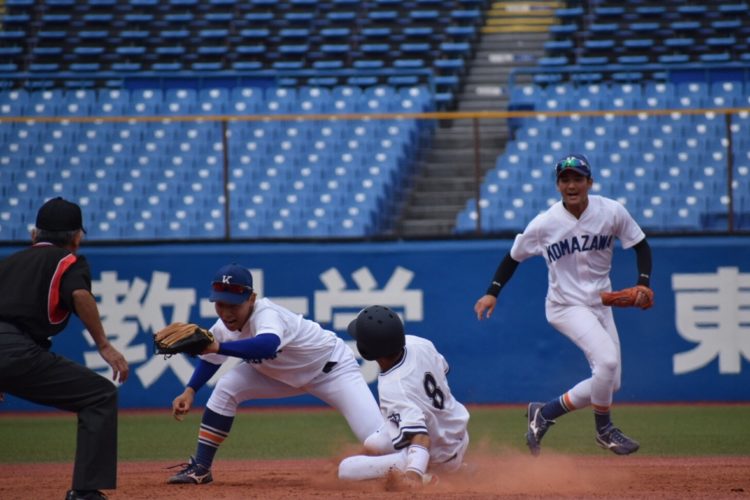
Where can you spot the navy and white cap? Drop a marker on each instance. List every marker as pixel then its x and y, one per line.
pixel 232 284
pixel 576 162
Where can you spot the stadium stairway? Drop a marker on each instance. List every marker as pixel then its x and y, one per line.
pixel 446 173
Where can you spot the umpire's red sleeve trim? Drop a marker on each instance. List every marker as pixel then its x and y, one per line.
pixel 55 310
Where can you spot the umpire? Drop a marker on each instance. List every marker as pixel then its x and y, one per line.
pixel 39 287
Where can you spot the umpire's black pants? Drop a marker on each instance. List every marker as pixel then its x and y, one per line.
pixel 32 373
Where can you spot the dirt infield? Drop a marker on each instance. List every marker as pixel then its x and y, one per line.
pixel 510 475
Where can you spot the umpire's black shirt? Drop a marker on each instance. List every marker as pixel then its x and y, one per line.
pixel 36 289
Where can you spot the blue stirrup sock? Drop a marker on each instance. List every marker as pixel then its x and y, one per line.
pixel 602 418
pixel 556 408
pixel 213 431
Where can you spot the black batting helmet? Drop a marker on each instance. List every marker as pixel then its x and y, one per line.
pixel 378 331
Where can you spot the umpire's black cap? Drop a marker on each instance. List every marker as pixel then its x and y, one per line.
pixel 59 215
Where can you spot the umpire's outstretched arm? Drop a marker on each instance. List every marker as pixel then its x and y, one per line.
pixel 87 311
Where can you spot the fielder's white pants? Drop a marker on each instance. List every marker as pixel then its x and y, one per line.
pixel 593 330
pixel 343 388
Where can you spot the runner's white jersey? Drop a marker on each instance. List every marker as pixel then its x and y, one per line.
pixel 415 398
pixel 305 346
pixel 578 252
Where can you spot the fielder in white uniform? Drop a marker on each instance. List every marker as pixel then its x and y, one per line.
pixel 284 355
pixel 426 424
pixel 575 236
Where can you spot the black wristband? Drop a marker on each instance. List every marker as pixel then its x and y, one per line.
pixel 644 279
pixel 494 289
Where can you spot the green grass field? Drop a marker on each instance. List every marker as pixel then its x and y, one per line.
pixel 663 430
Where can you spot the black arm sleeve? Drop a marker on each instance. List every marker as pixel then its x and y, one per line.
pixel 503 274
pixel 643 257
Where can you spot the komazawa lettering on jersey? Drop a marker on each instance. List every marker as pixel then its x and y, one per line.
pixel 586 243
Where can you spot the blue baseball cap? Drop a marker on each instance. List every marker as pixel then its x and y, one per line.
pixel 232 284
pixel 575 162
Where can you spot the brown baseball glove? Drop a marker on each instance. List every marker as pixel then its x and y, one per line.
pixel 184 338
pixel 635 296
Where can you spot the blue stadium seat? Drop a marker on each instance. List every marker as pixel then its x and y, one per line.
pixel 692 10
pixel 166 67
pixel 13 102
pixel 44 67
pixel 733 8
pixel 717 57
pixel 673 58
pixel 726 94
pixel 684 27
pixel 132 34
pixel 341 16
pixel 206 66
pixel 130 50
pixel 644 11
pixel 260 34
pixel 245 100
pixel 180 101
pixel 335 33
pixel 375 33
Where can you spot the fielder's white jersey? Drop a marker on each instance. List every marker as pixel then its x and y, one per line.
pixel 305 346
pixel 415 398
pixel 578 252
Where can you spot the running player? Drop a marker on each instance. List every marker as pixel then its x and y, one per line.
pixel 427 424
pixel 284 355
pixel 576 238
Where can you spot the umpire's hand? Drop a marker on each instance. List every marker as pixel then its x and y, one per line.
pixel 116 360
